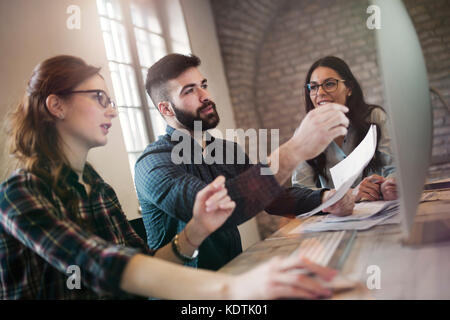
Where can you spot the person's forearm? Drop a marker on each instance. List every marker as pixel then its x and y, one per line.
pixel 294 201
pixel 189 240
pixel 284 160
pixel 151 277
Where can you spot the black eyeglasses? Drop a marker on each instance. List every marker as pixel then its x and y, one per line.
pixel 101 97
pixel 329 85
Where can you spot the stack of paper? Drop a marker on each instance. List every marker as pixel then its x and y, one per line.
pixel 364 210
pixel 365 215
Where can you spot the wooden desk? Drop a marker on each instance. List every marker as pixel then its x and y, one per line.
pixel 407 272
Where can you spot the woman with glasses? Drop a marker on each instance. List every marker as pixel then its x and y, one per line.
pixel 329 80
pixel 63 234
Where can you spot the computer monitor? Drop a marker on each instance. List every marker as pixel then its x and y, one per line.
pixel 408 103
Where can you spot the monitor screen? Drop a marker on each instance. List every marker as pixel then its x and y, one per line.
pixel 407 100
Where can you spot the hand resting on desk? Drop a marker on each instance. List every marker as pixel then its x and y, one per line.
pixel 336 284
pixel 277 279
pixel 339 283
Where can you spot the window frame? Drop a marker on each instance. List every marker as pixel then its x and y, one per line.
pixel 159 9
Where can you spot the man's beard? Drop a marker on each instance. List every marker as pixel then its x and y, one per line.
pixel 187 119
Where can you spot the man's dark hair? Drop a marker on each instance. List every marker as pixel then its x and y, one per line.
pixel 165 69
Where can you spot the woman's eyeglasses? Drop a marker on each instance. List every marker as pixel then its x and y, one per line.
pixel 101 97
pixel 329 86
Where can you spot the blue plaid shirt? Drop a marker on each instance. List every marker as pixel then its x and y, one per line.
pixel 167 191
pixel 40 238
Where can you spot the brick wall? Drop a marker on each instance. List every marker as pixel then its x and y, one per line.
pixel 432 22
pixel 242 27
pixel 268 46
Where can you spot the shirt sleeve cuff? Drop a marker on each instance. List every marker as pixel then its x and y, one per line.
pixel 114 261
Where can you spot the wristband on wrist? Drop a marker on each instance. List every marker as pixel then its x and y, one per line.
pixel 181 256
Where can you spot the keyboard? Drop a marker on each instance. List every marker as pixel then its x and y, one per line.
pixel 328 249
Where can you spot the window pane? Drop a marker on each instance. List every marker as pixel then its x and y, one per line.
pixel 101 7
pixel 117 84
pixel 113 9
pixel 129 86
pixel 125 85
pixel 158 123
pixel 136 16
pixel 124 44
pixel 133 128
pixel 136 101
pixel 119 39
pixel 116 41
pixel 181 48
pixel 141 35
pixel 144 15
pixel 109 46
pixel 151 46
pixel 126 130
pixel 153 23
pixel 104 24
pixel 177 26
pixel 143 48
pixel 158 47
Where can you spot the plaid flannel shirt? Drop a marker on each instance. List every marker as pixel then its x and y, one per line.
pixel 167 191
pixel 39 239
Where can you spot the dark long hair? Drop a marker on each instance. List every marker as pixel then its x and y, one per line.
pixel 33 138
pixel 359 112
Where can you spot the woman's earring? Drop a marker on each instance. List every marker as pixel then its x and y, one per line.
pixel 61 116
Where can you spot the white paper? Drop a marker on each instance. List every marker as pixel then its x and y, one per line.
pixel 319 223
pixel 332 200
pixel 359 159
pixel 352 225
pixel 394 219
pixel 363 210
pixel 356 161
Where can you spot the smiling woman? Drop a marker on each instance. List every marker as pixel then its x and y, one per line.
pixel 330 81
